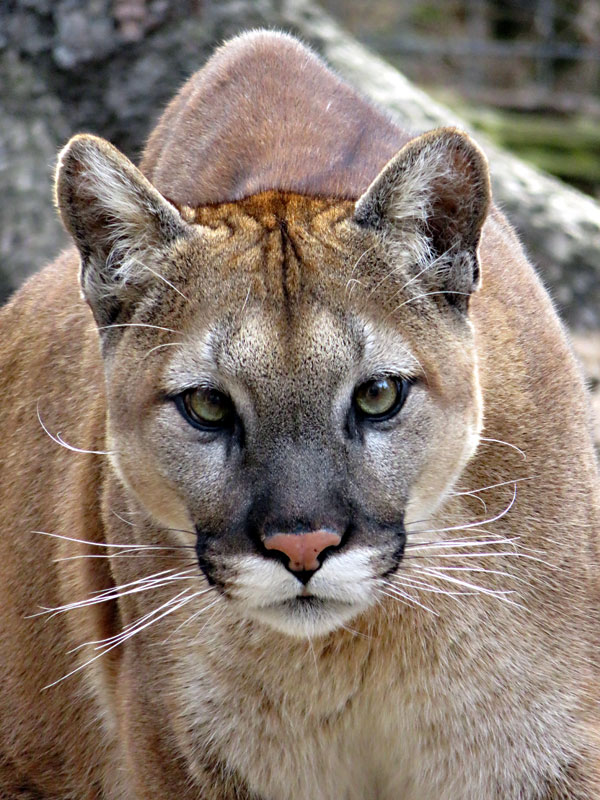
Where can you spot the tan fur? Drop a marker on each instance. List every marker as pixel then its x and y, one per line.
pixel 260 285
pixel 284 100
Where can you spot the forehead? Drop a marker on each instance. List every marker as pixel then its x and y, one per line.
pixel 271 279
pixel 313 339
pixel 269 353
pixel 274 294
pixel 274 247
pixel 261 348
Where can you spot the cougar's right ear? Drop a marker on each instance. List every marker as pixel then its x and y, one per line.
pixel 118 220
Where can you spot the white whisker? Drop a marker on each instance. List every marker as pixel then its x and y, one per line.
pixel 467 525
pixel 469 534
pixel 493 486
pixel 352 280
pixel 139 621
pixel 146 579
pixel 498 594
pixel 429 266
pixel 159 346
pixel 149 619
pixel 507 444
pixel 195 615
pixel 104 544
pixel 483 570
pixel 159 276
pixel 127 554
pixel 426 587
pixel 217 611
pixel 59 440
pixel 451 544
pixel 425 294
pixel 504 554
pixel 354 632
pixel 392 271
pixel 418 522
pixel 314 658
pixel 133 525
pixel 242 309
pixel 108 649
pixel 406 599
pixel 106 595
pixel 138 325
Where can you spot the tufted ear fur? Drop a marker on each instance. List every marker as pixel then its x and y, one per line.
pixel 118 220
pixel 430 201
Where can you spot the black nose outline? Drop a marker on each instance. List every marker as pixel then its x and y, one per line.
pixel 305 575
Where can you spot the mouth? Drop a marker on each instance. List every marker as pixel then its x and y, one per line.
pixel 307 601
pixel 305 598
pixel 263 590
pixel 306 615
pixel 303 601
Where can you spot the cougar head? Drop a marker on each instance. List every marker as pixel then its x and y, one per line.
pixel 293 379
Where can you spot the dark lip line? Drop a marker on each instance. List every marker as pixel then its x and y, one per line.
pixel 313 598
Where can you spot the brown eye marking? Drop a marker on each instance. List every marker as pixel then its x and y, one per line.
pixel 381 398
pixel 205 408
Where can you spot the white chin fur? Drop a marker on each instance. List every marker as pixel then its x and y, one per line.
pixel 302 621
pixel 267 592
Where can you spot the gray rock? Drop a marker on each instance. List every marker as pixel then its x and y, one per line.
pixel 31 128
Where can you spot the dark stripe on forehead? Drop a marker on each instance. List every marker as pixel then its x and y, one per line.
pixel 290 267
pixel 276 237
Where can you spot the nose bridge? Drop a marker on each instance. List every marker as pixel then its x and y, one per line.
pixel 300 489
pixel 297 406
pixel 298 361
pixel 294 441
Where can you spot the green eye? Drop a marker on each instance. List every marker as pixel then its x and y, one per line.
pixel 381 398
pixel 205 408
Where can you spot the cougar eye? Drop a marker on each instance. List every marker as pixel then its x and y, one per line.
pixel 381 398
pixel 205 408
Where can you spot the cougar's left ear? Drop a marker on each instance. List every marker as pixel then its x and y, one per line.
pixel 431 201
pixel 119 221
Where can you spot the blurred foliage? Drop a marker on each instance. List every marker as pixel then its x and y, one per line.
pixel 567 146
pixel 528 74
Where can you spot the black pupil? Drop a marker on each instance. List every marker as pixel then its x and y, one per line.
pixel 376 389
pixel 214 398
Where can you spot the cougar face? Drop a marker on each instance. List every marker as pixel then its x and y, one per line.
pixel 297 435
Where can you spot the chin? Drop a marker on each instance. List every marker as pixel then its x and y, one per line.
pixel 306 617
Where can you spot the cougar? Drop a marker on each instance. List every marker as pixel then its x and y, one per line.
pixel 299 496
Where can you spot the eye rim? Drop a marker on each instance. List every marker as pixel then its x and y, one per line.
pixel 181 401
pixel 403 386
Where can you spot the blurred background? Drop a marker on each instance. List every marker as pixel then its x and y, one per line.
pixel 526 72
pixel 522 76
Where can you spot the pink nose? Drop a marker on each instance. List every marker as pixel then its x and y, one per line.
pixel 302 549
